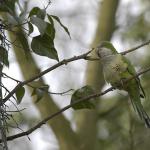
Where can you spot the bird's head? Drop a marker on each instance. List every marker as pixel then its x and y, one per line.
pixel 105 48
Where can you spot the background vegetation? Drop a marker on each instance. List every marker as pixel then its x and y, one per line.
pixel 113 123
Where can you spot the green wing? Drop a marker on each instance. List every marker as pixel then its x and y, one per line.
pixel 132 71
pixel 135 94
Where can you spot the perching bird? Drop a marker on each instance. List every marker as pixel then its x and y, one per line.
pixel 117 69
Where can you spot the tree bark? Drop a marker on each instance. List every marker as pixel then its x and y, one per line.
pixel 87 119
pixel 61 127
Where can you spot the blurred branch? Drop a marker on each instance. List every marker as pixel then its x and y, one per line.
pixel 49 2
pixel 135 48
pixel 69 106
pixel 41 88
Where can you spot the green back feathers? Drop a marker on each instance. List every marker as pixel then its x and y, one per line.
pixel 108 45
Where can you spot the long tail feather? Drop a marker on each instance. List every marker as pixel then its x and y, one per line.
pixel 141 112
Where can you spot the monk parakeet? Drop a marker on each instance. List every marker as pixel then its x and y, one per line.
pixel 116 69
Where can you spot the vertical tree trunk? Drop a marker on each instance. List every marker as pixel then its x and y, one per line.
pixel 87 119
pixel 61 127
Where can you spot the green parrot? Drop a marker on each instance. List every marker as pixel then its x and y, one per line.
pixel 116 69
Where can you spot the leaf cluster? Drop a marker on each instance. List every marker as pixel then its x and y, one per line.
pixel 42 44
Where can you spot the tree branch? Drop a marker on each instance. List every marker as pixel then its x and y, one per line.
pixel 63 62
pixel 26 133
pixel 135 48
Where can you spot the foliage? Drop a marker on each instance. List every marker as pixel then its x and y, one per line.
pixel 81 93
pixel 137 24
pixel 19 94
pixel 117 128
pixel 42 44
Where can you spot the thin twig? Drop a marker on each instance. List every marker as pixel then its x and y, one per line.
pixel 61 93
pixel 63 62
pixel 18 81
pixel 135 48
pixel 49 2
pixel 13 111
pixel 122 53
pixel 26 133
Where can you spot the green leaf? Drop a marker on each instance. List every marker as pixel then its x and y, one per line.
pixel 50 30
pixel 81 93
pixel 41 13
pixel 36 11
pixel 41 25
pixel 30 26
pixel 58 20
pixel 19 94
pixel 50 20
pixel 44 46
pixel 4 56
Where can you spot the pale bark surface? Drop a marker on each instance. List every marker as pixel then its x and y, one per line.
pixel 87 120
